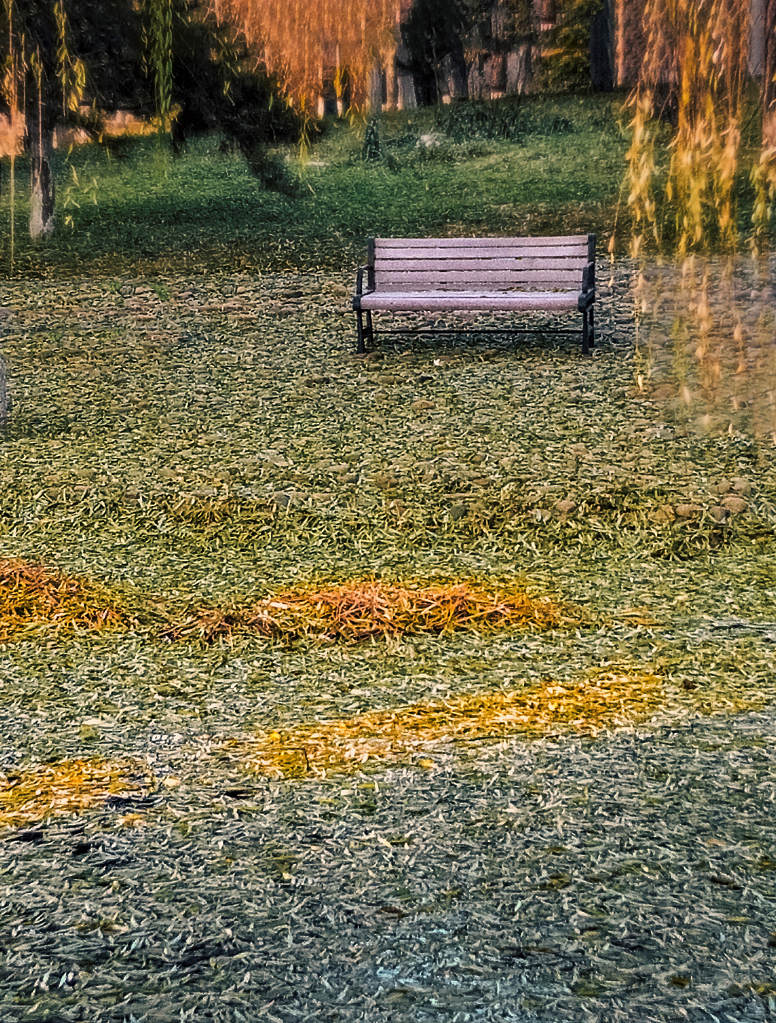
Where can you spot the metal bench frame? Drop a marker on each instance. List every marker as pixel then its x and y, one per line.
pixel 552 274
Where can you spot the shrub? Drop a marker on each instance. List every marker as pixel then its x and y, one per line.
pixel 509 120
pixel 371 149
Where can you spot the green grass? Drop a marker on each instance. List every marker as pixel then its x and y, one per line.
pixel 145 208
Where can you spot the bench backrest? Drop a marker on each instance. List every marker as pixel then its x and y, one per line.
pixel 487 264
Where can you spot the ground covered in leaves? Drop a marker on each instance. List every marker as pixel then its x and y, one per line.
pixel 387 814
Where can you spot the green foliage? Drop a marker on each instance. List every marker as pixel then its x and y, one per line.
pixel 160 58
pixel 566 62
pixel 510 119
pixel 108 36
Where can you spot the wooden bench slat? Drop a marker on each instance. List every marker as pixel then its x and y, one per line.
pixel 496 280
pixel 446 252
pixel 550 252
pixel 574 264
pixel 496 258
pixel 441 243
pixel 469 300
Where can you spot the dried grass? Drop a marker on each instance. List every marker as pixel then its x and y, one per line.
pixel 361 610
pixel 69 787
pixel 33 598
pixel 606 699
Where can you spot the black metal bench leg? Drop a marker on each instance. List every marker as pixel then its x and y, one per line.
pixel 369 328
pixel 592 326
pixel 360 348
pixel 585 333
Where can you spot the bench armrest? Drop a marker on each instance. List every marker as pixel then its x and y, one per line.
pixel 360 284
pixel 588 277
pixel 587 295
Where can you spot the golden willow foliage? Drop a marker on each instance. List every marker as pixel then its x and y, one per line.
pixel 71 70
pixel 693 326
pixel 308 43
pixel 696 63
pixel 35 600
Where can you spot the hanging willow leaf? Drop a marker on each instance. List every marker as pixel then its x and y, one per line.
pixel 305 42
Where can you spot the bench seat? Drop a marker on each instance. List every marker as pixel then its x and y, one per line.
pixel 461 301
pixel 552 274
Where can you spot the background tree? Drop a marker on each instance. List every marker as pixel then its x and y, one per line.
pixel 37 54
pixel 77 60
pixel 579 47
pixel 433 33
pixel 764 39
pixel 704 314
pixel 218 87
pixel 306 42
pixel 57 53
pixel 602 71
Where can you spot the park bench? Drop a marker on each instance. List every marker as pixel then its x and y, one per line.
pixel 434 275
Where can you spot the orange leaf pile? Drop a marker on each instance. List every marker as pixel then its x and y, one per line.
pixel 33 598
pixel 362 610
pixel 606 699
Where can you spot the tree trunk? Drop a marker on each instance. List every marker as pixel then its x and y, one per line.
pixel 629 41
pixel 602 48
pixel 389 63
pixel 3 381
pixel 40 127
pixel 3 395
pixel 375 90
pixel 769 74
pixel 520 70
pixel 757 37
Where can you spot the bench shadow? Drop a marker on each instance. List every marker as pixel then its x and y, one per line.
pixel 446 339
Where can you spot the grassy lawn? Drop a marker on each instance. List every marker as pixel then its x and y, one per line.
pixel 207 211
pixel 501 823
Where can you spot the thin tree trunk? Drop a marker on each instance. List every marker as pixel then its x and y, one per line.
pixel 3 379
pixel 769 74
pixel 40 125
pixel 375 89
pixel 3 395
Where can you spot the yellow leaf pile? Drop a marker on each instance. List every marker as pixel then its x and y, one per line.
pixel 362 610
pixel 33 598
pixel 605 699
pixel 68 787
